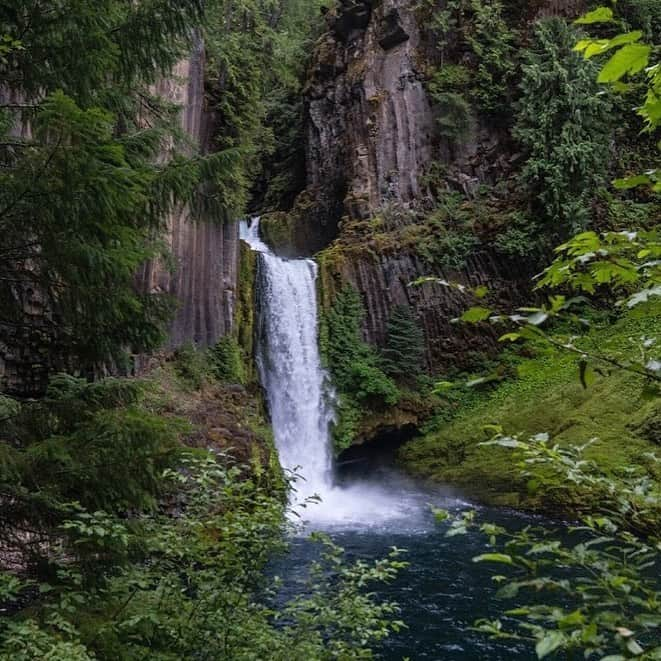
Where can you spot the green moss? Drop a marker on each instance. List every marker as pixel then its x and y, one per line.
pixel 547 397
pixel 277 230
pixel 244 315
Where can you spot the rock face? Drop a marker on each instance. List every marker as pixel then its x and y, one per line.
pixel 371 141
pixel 384 282
pixel 369 120
pixel 205 253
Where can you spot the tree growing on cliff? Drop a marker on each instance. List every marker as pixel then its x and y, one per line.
pixel 403 355
pixel 562 123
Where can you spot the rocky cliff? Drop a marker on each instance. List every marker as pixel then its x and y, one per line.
pixel 205 253
pixel 371 140
pixel 369 120
pixel 374 153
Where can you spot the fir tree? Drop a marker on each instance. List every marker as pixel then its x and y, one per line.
pixel 404 352
pixel 563 125
pixel 92 163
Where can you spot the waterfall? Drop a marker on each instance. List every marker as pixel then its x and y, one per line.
pixel 290 366
pixel 300 398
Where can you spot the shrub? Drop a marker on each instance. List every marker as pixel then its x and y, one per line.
pixel 227 361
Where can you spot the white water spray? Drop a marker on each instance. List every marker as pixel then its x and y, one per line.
pixel 300 398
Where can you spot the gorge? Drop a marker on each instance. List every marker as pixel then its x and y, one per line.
pixel 330 329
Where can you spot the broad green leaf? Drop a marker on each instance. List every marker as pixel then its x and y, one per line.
pixel 634 647
pixel 475 315
pixel 538 318
pixel 599 15
pixel 629 60
pixel 632 182
pixel 572 620
pixel 551 642
pixel 592 47
pixel 494 557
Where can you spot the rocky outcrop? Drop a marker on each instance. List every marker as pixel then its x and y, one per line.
pixel 385 281
pixel 372 143
pixel 369 122
pixel 371 131
pixel 205 253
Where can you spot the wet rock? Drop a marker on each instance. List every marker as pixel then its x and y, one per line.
pixel 352 17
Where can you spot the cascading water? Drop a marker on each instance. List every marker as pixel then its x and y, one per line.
pixel 289 365
pixel 301 400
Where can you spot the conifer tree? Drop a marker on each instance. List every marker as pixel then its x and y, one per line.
pixel 404 352
pixel 563 125
pixel 92 163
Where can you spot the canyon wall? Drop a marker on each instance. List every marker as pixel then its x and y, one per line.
pixel 373 147
pixel 205 253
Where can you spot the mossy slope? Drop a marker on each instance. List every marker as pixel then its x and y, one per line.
pixel 547 397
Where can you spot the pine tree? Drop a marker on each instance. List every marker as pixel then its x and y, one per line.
pixel 92 163
pixel 404 352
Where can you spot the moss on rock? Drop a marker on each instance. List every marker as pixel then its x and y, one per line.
pixel 244 314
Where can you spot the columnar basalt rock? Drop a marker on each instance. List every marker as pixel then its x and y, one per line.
pixel 371 141
pixel 384 281
pixel 205 252
pixel 369 120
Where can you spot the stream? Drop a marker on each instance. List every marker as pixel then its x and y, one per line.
pixel 442 592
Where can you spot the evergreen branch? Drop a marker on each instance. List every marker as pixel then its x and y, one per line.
pixel 26 190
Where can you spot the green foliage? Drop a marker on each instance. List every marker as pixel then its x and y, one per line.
pixel 191 365
pixel 628 57
pixel 84 448
pixel 84 193
pixel 223 362
pixel 257 52
pixel 492 42
pixel 626 263
pixel 353 363
pixel 606 600
pixel 563 125
pixel 355 366
pixel 642 15
pixel 450 239
pixel 227 361
pixel 541 393
pixel 196 588
pixel 520 237
pixel 452 109
pixel 476 31
pixel 404 353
